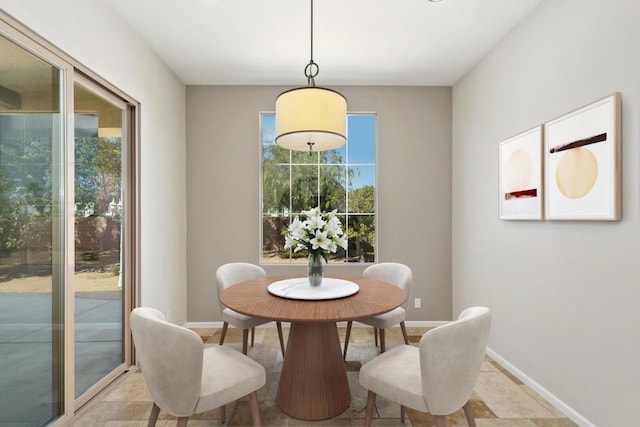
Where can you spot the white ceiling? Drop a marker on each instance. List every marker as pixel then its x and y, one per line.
pixel 356 42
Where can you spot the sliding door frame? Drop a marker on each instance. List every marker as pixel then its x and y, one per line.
pixel 107 95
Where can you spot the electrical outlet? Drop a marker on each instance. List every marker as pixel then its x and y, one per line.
pixel 417 303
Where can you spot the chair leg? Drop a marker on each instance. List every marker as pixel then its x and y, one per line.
pixel 468 412
pixel 371 403
pixel 153 417
pixel 255 409
pixel 223 414
pixel 253 336
pixel 245 339
pixel 441 421
pixel 225 325
pixel 375 336
pixel 182 421
pixel 280 337
pixel 403 413
pixel 404 332
pixel 346 338
pixel 382 348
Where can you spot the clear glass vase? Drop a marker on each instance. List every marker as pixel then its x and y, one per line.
pixel 315 270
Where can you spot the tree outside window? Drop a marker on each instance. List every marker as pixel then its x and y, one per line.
pixel 342 179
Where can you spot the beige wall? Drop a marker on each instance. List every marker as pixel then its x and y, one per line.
pixel 414 187
pixel 565 295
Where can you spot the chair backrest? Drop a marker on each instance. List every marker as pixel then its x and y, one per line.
pixel 394 273
pixel 450 360
pixel 171 360
pixel 236 272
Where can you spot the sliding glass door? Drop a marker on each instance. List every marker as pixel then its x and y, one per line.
pixel 67 231
pixel 99 147
pixel 31 238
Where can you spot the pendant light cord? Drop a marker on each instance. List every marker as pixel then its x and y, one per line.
pixel 312 69
pixel 311 31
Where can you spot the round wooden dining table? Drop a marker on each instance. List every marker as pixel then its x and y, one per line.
pixel 313 383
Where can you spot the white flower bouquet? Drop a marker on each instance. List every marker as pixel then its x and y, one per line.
pixel 318 235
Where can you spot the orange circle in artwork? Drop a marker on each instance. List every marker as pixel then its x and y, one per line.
pixel 577 172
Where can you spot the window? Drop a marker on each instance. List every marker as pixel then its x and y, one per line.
pixel 342 179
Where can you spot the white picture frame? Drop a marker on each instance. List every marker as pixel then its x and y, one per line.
pixel 582 163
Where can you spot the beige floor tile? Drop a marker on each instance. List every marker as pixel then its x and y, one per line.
pixel 507 373
pixel 198 423
pixel 90 420
pixel 386 408
pixel 555 411
pixel 214 414
pixel 205 333
pixel 101 412
pixel 333 422
pixel 554 422
pixel 127 402
pixel 480 410
pixel 506 399
pixel 495 422
pixel 270 391
pixel 160 423
pixel 271 415
pixel 383 422
pixel 358 398
pixel 130 388
pixel 214 338
pixel 487 366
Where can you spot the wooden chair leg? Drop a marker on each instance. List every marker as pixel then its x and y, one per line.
pixel 382 347
pixel 245 339
pixel 255 409
pixel 441 421
pixel 182 421
pixel 225 325
pixel 223 414
pixel 404 332
pixel 468 412
pixel 153 417
pixel 375 336
pixel 280 337
pixel 403 413
pixel 253 335
pixel 371 403
pixel 346 339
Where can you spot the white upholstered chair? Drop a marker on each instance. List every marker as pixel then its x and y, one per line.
pixel 185 378
pixel 438 377
pixel 395 274
pixel 231 274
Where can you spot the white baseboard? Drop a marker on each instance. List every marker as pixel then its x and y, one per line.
pixel 409 324
pixel 546 394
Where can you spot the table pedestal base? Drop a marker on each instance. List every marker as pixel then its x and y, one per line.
pixel 313 383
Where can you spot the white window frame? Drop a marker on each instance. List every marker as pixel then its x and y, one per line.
pixel 347 214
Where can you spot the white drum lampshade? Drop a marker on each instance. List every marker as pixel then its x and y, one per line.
pixel 311 119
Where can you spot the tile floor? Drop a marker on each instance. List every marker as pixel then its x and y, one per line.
pixel 499 399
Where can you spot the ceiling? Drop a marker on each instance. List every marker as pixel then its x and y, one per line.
pixel 356 42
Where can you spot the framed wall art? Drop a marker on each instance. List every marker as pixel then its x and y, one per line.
pixel 582 163
pixel 521 176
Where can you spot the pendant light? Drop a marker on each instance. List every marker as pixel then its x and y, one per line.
pixel 311 118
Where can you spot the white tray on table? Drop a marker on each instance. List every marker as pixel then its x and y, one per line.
pixel 300 288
